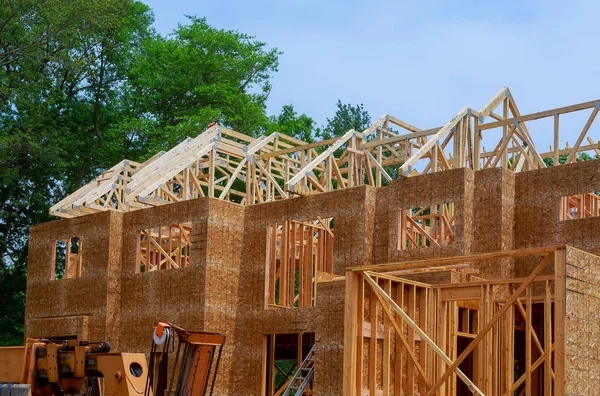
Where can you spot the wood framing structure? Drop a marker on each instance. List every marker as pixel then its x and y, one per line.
pixel 228 165
pixel 390 261
pixel 298 254
pixel 452 338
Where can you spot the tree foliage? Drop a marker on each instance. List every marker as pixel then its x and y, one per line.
pixel 299 126
pixel 346 117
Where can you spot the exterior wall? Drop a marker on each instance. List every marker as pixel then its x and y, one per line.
pixel 352 211
pixel 425 190
pixel 582 330
pixel 203 296
pixel 224 287
pixel 82 302
pixel 537 204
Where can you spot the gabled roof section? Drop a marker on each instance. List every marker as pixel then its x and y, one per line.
pixel 228 165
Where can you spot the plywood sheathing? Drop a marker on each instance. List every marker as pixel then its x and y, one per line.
pixel 203 296
pixel 453 186
pixel 352 211
pixel 59 327
pixel 537 204
pixel 582 330
pixel 329 333
pixel 493 219
pixel 86 295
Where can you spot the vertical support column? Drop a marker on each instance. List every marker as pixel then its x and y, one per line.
pixel 548 340
pixel 504 153
pixel 387 286
pixel 284 264
pixel 476 145
pixel 211 177
pixel 379 154
pixel 556 140
pixel 560 289
pixel 399 361
pixel 412 308
pixel 373 341
pixel 351 324
pixel 528 325
pixel 422 344
pixel 351 161
pixel 442 337
pixel 489 370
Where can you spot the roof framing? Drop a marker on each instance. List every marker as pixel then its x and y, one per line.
pixel 229 165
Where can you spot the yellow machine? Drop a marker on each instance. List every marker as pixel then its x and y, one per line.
pixel 56 366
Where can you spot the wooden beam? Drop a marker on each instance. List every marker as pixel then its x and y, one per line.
pixel 404 265
pixel 541 114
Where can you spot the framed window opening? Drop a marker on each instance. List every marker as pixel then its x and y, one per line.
pixel 580 206
pixel 297 252
pixel 66 258
pixel 164 248
pixel 428 226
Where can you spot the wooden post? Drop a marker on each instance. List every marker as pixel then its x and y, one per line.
pixel 560 289
pixel 350 332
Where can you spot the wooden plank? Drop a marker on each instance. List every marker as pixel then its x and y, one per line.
pixel 387 285
pixel 404 265
pixel 548 340
pixel 528 328
pixel 351 307
pixel 541 114
pixel 560 288
pixel 556 139
pixel 411 311
pixel 461 293
pixel 372 366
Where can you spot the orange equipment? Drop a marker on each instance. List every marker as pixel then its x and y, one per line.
pixel 59 366
pixel 191 372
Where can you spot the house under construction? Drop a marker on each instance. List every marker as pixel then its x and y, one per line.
pixel 390 261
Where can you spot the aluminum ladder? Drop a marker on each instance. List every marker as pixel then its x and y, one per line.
pixel 303 376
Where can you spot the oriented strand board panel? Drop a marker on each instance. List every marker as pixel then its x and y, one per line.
pixel 582 369
pixel 65 326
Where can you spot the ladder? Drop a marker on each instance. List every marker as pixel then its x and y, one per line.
pixel 303 376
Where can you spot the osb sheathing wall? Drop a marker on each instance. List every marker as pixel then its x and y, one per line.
pixel 353 214
pixel 203 296
pixel 84 306
pixel 537 203
pixel 406 193
pixel 582 330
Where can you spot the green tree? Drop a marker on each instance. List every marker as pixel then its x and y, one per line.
pixel 346 117
pixel 293 124
pixel 196 76
pixel 549 161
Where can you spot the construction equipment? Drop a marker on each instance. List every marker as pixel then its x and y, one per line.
pixel 301 380
pixel 191 373
pixel 59 366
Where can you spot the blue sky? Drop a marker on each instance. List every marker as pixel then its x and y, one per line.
pixel 420 61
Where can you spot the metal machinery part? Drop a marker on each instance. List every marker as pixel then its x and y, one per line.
pixel 192 371
pixel 61 366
